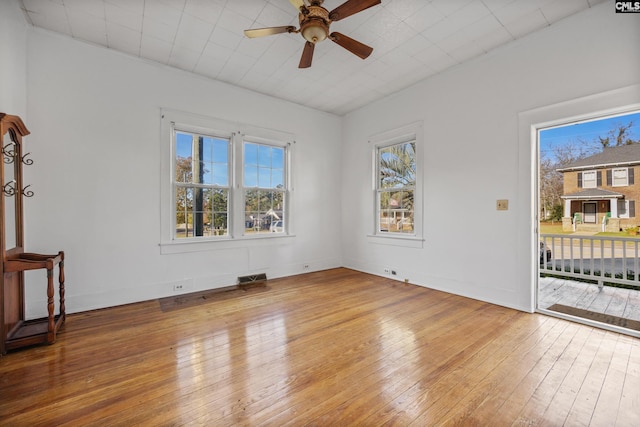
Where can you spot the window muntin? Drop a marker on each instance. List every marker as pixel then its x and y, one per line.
pixel 589 179
pixel 264 184
pixel 395 187
pixel 201 189
pixel 620 177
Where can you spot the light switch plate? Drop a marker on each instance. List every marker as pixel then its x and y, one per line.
pixel 502 205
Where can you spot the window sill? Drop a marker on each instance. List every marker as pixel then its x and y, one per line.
pixel 178 247
pixel 404 241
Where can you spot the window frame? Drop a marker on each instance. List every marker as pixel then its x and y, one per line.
pixel 177 184
pixel 595 179
pixel 286 191
pixel 405 134
pixel 625 204
pixel 238 133
pixel 626 177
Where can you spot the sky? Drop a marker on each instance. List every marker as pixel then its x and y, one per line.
pixel 586 131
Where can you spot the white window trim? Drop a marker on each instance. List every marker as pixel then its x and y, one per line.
pixel 626 177
pixel 190 122
pixel 626 209
pixel 410 132
pixel 595 179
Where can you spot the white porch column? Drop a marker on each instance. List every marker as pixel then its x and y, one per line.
pixel 567 208
pixel 613 205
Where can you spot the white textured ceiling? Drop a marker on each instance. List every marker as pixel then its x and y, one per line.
pixel 412 39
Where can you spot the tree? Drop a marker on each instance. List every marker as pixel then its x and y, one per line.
pixel 551 186
pixel 556 212
pixel 618 135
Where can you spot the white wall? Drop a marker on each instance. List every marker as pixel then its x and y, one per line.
pixel 95 120
pixel 473 155
pixel 94 117
pixel 13 65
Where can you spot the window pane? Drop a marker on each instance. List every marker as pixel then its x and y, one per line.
pixel 277 158
pixel 396 211
pixel 202 159
pixel 216 207
pixel 397 165
pixel 263 166
pixel 250 176
pixel 263 210
pixel 184 157
pixel 277 178
pixel 620 177
pixel 215 161
pixel 184 209
pixel 264 177
pixel 250 154
pixel 201 212
pixel 622 209
pixel 207 149
pixel 589 180
pixel 264 156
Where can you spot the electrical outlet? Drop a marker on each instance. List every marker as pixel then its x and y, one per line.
pixel 305 266
pixel 393 272
pixel 387 270
pixel 181 286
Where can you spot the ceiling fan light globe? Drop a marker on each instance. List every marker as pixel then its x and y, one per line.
pixel 314 33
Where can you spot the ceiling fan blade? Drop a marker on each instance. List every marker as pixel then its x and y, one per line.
pixel 261 32
pixel 353 46
pixel 297 3
pixel 351 7
pixel 307 55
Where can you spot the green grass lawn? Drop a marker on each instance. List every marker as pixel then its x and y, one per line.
pixel 552 228
pixel 556 228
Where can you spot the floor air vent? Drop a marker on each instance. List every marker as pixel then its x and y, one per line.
pixel 252 280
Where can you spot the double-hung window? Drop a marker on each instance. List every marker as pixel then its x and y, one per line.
pixel 201 185
pixel 396 187
pixel 620 177
pixel 398 184
pixel 223 181
pixel 264 187
pixel 589 179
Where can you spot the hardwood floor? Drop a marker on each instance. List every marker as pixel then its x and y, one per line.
pixel 333 348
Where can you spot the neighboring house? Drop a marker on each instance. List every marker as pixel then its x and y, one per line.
pixel 602 188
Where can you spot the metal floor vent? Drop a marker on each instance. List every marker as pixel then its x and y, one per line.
pixel 254 279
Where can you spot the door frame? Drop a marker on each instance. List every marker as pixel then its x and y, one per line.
pixel 595 212
pixel 617 101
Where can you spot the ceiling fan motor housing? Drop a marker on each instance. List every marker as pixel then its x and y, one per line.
pixel 314 25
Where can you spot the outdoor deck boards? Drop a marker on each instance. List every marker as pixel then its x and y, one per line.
pixel 614 301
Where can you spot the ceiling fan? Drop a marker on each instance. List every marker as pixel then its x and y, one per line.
pixel 314 27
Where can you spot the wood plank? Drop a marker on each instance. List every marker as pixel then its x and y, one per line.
pixel 608 403
pixel 628 414
pixel 442 384
pixel 564 399
pixel 483 396
pixel 545 393
pixel 336 347
pixel 584 405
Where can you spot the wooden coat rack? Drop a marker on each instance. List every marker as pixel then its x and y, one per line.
pixel 15 330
